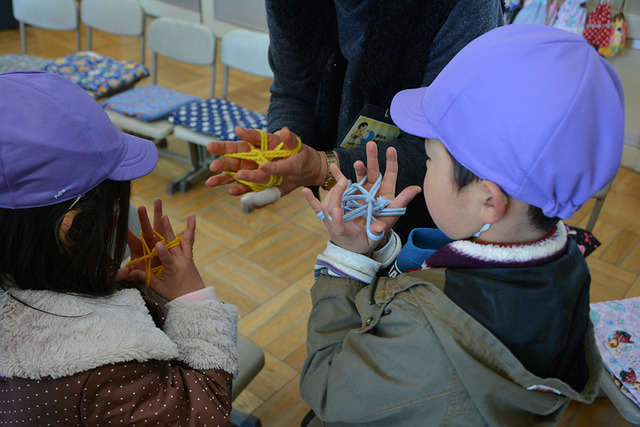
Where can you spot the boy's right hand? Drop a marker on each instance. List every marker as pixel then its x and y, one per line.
pixel 352 235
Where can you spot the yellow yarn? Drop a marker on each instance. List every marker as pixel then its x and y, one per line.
pixel 261 155
pixel 149 255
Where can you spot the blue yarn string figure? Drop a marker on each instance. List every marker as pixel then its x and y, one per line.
pixel 357 202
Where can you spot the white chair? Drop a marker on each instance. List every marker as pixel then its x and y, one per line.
pixel 240 49
pixel 60 15
pixel 181 41
pixel 119 17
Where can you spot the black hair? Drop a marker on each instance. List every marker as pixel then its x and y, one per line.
pixel 463 177
pixel 34 257
pixel 363 124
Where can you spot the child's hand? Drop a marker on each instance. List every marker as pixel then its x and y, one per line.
pixel 180 276
pixel 352 235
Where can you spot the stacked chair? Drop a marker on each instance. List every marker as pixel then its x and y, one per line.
pixel 60 15
pixel 214 119
pixel 143 110
pixel 97 74
pixel 119 17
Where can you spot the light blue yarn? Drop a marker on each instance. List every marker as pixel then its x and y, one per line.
pixel 365 203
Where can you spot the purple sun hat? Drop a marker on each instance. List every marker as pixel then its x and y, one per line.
pixel 530 107
pixel 56 142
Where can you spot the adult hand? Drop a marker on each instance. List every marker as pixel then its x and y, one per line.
pixel 306 167
pixel 352 235
pixel 180 275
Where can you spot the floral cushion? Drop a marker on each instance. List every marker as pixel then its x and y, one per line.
pixel 97 73
pixel 217 117
pixel 148 103
pixel 617 330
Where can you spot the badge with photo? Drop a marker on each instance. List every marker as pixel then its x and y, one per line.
pixel 373 124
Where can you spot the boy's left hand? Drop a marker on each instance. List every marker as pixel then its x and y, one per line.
pixel 352 235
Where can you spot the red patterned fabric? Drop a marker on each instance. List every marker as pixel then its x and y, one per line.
pixel 597 30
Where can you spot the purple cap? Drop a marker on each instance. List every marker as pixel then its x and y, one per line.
pixel 532 108
pixel 56 142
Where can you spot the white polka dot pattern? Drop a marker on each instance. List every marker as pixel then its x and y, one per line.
pixel 132 394
pixel 217 117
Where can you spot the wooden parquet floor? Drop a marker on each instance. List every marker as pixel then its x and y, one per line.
pixel 262 261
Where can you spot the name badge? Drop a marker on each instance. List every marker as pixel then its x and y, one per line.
pixel 373 124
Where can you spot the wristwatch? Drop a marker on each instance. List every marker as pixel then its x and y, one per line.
pixel 330 181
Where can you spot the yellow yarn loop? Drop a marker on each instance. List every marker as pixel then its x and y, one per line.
pixel 261 155
pixel 149 255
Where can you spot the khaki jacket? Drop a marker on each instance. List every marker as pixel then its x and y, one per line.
pixel 400 352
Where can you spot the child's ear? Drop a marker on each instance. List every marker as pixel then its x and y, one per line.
pixel 494 204
pixel 65 225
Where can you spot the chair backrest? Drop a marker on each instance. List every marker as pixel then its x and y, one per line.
pixel 119 17
pixel 182 41
pixel 247 51
pixel 60 15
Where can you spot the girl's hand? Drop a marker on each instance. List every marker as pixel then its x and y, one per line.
pixel 180 275
pixel 352 235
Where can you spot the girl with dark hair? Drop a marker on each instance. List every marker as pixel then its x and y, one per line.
pixel 80 344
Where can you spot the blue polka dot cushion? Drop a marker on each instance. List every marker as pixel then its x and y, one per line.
pixel 148 103
pixel 97 73
pixel 218 118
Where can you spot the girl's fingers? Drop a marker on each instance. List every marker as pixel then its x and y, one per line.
pixel 167 230
pixel 189 236
pixel 157 215
pixel 145 224
pixel 165 256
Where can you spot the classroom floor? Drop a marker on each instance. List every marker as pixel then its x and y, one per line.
pixel 262 261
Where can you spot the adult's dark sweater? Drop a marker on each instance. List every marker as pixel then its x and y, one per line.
pixel 331 57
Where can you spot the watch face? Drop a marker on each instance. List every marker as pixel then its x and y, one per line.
pixel 329 183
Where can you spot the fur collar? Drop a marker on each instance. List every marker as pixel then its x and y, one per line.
pixel 59 335
pixel 467 253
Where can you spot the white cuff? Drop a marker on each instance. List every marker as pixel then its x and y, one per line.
pixel 343 262
pixel 388 254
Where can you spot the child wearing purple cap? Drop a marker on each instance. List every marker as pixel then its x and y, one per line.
pixel 484 321
pixel 79 344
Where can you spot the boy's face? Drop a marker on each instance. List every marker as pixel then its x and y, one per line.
pixel 451 209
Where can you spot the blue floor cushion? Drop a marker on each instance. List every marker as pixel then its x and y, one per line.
pixel 218 118
pixel 148 103
pixel 97 73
